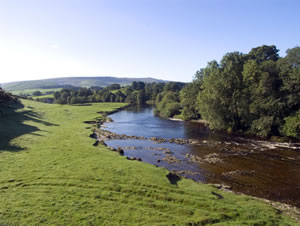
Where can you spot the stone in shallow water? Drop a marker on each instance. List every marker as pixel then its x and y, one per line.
pixel 173 178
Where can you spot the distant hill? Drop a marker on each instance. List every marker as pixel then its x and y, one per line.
pixel 73 81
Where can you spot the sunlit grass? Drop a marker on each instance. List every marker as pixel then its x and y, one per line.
pixel 50 173
pixel 43 96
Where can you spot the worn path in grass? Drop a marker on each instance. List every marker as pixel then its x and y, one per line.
pixel 50 173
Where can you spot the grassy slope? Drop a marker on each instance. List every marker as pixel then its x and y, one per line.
pixel 51 173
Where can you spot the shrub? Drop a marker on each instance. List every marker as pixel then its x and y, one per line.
pixel 291 127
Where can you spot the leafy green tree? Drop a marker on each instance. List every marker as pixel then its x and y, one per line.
pixel 112 97
pixel 158 98
pixel 120 97
pixel 56 95
pixel 140 85
pixel 173 86
pixel 221 101
pixel 82 92
pixel 134 85
pixel 289 67
pixel 264 53
pixel 188 100
pixel 266 106
pixel 37 93
pixel 148 91
pixel 169 104
pixel 156 89
pixel 141 97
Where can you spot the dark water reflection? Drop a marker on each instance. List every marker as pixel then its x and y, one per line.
pixel 247 166
pixel 140 121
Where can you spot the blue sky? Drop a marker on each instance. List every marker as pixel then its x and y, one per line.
pixel 167 39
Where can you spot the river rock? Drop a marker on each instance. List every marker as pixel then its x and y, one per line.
pixel 93 135
pixel 222 186
pixel 131 158
pixel 171 159
pixel 121 151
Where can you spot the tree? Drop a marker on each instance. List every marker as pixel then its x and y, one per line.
pixel 156 89
pixel 113 87
pixel 141 97
pixel 140 85
pixel 173 86
pixel 188 100
pixel 56 95
pixel 120 97
pixel 112 97
pixel 134 85
pixel 264 53
pixel 221 101
pixel 169 104
pixel 289 68
pixel 83 92
pixel 266 106
pixel 64 97
pixel 37 93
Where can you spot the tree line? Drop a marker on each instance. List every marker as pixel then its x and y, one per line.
pixel 256 93
pixel 136 93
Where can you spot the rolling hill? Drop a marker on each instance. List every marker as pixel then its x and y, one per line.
pixel 73 81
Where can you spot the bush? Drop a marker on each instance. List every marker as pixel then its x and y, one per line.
pixel 36 93
pixel 291 127
pixel 263 126
pixel 172 109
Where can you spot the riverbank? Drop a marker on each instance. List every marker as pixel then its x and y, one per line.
pixel 273 139
pixel 52 174
pixel 214 159
pixel 233 161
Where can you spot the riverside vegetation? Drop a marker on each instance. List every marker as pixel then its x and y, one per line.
pixel 52 174
pixel 257 93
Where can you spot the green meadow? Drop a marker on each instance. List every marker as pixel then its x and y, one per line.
pixel 43 96
pixel 50 173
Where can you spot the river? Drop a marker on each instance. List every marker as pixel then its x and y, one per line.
pixel 254 167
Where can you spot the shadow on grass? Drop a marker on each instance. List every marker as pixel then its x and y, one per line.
pixel 12 126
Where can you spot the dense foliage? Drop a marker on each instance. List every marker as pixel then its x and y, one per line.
pixel 168 101
pixel 255 93
pixel 167 104
pixel 7 99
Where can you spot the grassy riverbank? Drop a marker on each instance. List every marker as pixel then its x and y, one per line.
pixel 50 173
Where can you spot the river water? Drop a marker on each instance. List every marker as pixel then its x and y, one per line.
pixel 259 168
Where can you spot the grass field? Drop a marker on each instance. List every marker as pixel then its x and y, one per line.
pixel 50 173
pixel 43 96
